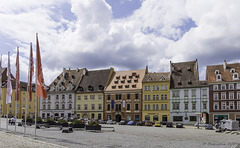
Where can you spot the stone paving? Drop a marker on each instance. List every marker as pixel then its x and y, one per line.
pixel 123 136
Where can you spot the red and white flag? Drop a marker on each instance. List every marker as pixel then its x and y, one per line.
pixel 17 97
pixel 9 84
pixel 30 74
pixel 41 88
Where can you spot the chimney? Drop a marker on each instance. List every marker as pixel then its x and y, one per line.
pixel 84 71
pixel 146 69
pixel 196 64
pixel 225 65
pixel 171 68
pixel 64 71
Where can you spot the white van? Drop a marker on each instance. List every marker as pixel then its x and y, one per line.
pixel 231 125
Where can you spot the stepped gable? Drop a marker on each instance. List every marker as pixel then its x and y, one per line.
pixel 126 80
pixel 94 81
pixel 156 77
pixel 184 74
pixel 68 80
pixel 225 71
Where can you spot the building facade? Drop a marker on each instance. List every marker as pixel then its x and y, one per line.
pixel 90 94
pixel 224 91
pixel 123 96
pixel 156 97
pixel 188 96
pixel 61 95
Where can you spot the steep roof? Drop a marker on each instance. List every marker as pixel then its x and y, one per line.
pixel 94 81
pixel 68 80
pixel 156 77
pixel 126 80
pixel 184 74
pixel 226 73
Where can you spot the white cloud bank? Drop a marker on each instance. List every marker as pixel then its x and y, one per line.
pixel 157 32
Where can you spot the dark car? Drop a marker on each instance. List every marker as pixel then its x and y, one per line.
pixel 209 127
pixel 140 123
pixel 149 123
pixel 163 122
pixel 169 124
pixel 131 123
pixel 122 122
pixel 179 125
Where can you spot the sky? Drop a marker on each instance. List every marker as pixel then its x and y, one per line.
pixel 123 34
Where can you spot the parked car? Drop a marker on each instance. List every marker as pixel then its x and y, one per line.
pixel 140 123
pixel 122 122
pixel 131 123
pixel 200 124
pixel 163 122
pixel 157 124
pixel 111 122
pixel 101 121
pixel 148 123
pixel 179 125
pixel 209 127
pixel 169 124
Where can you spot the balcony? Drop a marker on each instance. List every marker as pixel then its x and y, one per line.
pixel 176 100
pixel 186 100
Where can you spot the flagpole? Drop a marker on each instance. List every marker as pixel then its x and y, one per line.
pixel 36 93
pixel 1 88
pixel 7 101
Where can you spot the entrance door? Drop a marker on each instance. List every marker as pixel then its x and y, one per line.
pixel 164 118
pixel 118 118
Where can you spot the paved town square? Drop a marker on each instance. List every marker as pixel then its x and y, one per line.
pixel 123 136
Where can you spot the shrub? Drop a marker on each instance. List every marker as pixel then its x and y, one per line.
pixel 93 123
pixel 62 121
pixel 76 121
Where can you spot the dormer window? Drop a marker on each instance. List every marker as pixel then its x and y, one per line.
pixel 235 76
pixel 218 77
pixel 116 82
pixel 134 86
pixel 179 70
pixel 179 83
pixel 126 86
pixel 129 81
pixel 80 88
pixel 73 77
pixel 130 77
pixel 136 80
pixel 232 70
pixel 90 88
pixel 101 87
pixel 189 82
pixel 162 78
pixel 134 74
pixel 137 76
pixel 189 69
pixel 118 77
pixel 123 81
pixel 124 77
pixel 120 86
pixel 216 72
pixel 149 79
pixel 114 87
pixel 55 83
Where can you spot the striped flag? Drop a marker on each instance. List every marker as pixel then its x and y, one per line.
pixel 41 88
pixel 9 84
pixel 17 97
pixel 31 71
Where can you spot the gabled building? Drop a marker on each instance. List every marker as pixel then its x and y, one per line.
pixel 224 91
pixel 123 96
pixel 156 97
pixel 188 96
pixel 90 94
pixel 61 95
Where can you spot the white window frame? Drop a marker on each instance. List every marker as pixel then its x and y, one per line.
pixel 215 104
pixel 215 87
pixel 238 104
pixel 231 86
pixel 238 95
pixel 215 96
pixel 223 87
pixel 231 96
pixel 231 103
pixel 223 96
pixel 223 105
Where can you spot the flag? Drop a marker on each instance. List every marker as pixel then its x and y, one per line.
pixel 30 74
pixel 1 67
pixel 17 97
pixel 9 84
pixel 41 88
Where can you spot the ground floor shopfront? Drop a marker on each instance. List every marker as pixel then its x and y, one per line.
pixel 217 117
pixel 156 116
pixel 189 118
pixel 126 116
pixel 56 113
pixel 89 115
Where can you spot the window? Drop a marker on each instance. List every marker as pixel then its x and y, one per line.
pixel 176 106
pixel 157 97
pixel 193 118
pixel 165 106
pixel 185 93
pixel 165 87
pixel 157 87
pixel 238 85
pixel 157 107
pixel 136 107
pixel 223 96
pixel 108 107
pixel 175 94
pixel 231 95
pixel 145 88
pixel 85 106
pixel 204 92
pixel 218 77
pixel 108 117
pixel 238 95
pixel 238 104
pixel 44 106
pixel 99 106
pixel 204 105
pixel 99 116
pixel 235 76
pixel 92 97
pixel 231 86
pixel 49 106
pixel 79 97
pixel 63 106
pixel 70 96
pixel 149 97
pixel 92 106
pixel 193 92
pixel 153 87
pixel 99 97
pixel 153 106
pixel 145 97
pixel 161 87
pixel 85 97
pixel 128 106
pixel 149 88
pixel 223 107
pixel 29 106
pixel 49 98
pixel 63 97
pixel 147 117
pixel 193 106
pixel 57 106
pixel 223 86
pixel 108 97
pixel 186 106
pixel 162 107
pixel 70 106
pixel 165 96
pixel 79 107
pixel 149 107
pixel 128 96
pixel 57 97
pixel 215 106
pixel 136 117
pixel 215 87
pixel 161 96
pixel 177 118
pixel 231 104
pixel 136 96
pixel 145 107
pixel 153 97
pixel 155 118
pixel 215 96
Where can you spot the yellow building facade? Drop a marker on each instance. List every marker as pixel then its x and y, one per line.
pixel 156 97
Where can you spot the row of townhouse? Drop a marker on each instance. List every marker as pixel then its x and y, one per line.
pixel 176 96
